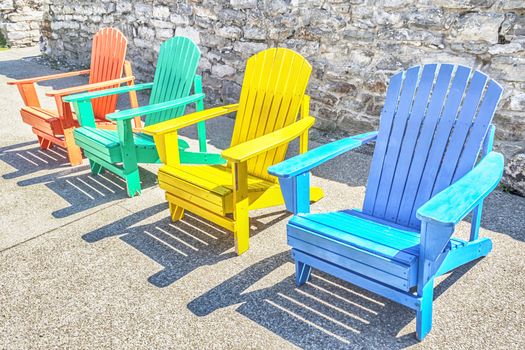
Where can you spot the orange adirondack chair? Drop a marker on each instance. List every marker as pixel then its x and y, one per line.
pixel 55 127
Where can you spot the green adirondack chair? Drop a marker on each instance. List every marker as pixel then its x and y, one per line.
pixel 120 151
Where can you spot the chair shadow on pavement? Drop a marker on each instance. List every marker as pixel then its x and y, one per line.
pixel 27 160
pixel 324 313
pixel 84 191
pixel 76 185
pixel 179 247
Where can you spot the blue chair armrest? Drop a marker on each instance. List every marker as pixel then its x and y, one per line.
pixel 154 108
pixel 451 205
pixel 305 162
pixel 101 93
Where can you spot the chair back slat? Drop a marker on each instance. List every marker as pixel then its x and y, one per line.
pixel 432 128
pixel 273 88
pixel 108 54
pixel 174 75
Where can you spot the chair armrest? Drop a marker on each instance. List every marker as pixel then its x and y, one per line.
pixel 451 205
pixel 187 120
pixel 48 77
pixel 305 162
pixel 154 108
pixel 252 148
pixel 101 93
pixel 82 88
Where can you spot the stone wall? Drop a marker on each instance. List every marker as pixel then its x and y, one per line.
pixel 353 45
pixel 20 22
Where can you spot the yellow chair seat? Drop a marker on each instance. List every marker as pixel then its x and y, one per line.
pixel 211 186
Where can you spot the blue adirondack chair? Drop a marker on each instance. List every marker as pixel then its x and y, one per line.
pixel 435 126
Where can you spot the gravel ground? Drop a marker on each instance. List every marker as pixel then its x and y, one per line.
pixel 82 266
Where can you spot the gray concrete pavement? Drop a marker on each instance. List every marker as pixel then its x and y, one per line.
pixel 82 266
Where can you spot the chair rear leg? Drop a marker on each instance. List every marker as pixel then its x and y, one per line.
pixel 302 273
pixel 44 143
pixel 96 168
pixel 176 212
pixel 424 314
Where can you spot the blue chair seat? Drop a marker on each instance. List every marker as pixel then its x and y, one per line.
pixel 361 245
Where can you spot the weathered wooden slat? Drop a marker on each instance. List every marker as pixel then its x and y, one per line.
pixel 107 63
pixel 424 142
pixel 440 140
pixel 395 138
pixel 409 140
pixel 274 83
pixel 400 282
pixel 478 130
pixel 174 76
pixel 385 124
pixel 322 224
pixel 459 133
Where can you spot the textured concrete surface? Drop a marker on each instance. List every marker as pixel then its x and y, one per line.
pixel 82 266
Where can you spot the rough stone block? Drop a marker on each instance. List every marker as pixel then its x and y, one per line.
pixel 514 176
pixel 243 4
pixel 477 27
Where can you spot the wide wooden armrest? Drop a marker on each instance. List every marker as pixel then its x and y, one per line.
pixel 189 119
pixel 451 205
pixel 107 92
pixel 48 77
pixel 252 148
pixel 154 108
pixel 82 88
pixel 303 163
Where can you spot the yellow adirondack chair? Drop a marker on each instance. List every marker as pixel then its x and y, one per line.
pixel 268 118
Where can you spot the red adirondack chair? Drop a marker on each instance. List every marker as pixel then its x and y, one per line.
pixel 55 127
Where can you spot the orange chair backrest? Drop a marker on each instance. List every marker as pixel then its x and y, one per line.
pixel 108 54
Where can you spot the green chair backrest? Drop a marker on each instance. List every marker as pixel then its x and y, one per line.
pixel 174 76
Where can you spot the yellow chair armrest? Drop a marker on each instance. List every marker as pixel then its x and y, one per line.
pixel 187 120
pixel 252 148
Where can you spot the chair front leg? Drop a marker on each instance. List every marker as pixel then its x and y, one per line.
pixel 240 207
pixel 74 153
pixel 424 313
pixel 68 125
pixel 129 157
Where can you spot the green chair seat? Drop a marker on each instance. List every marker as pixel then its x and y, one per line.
pixel 106 142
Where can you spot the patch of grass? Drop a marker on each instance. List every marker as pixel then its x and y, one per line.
pixel 3 43
pixel 507 189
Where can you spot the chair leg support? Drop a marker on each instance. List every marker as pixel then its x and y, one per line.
pixel 176 212
pixel 302 273
pixel 44 143
pixel 424 313
pixel 471 251
pixel 96 168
